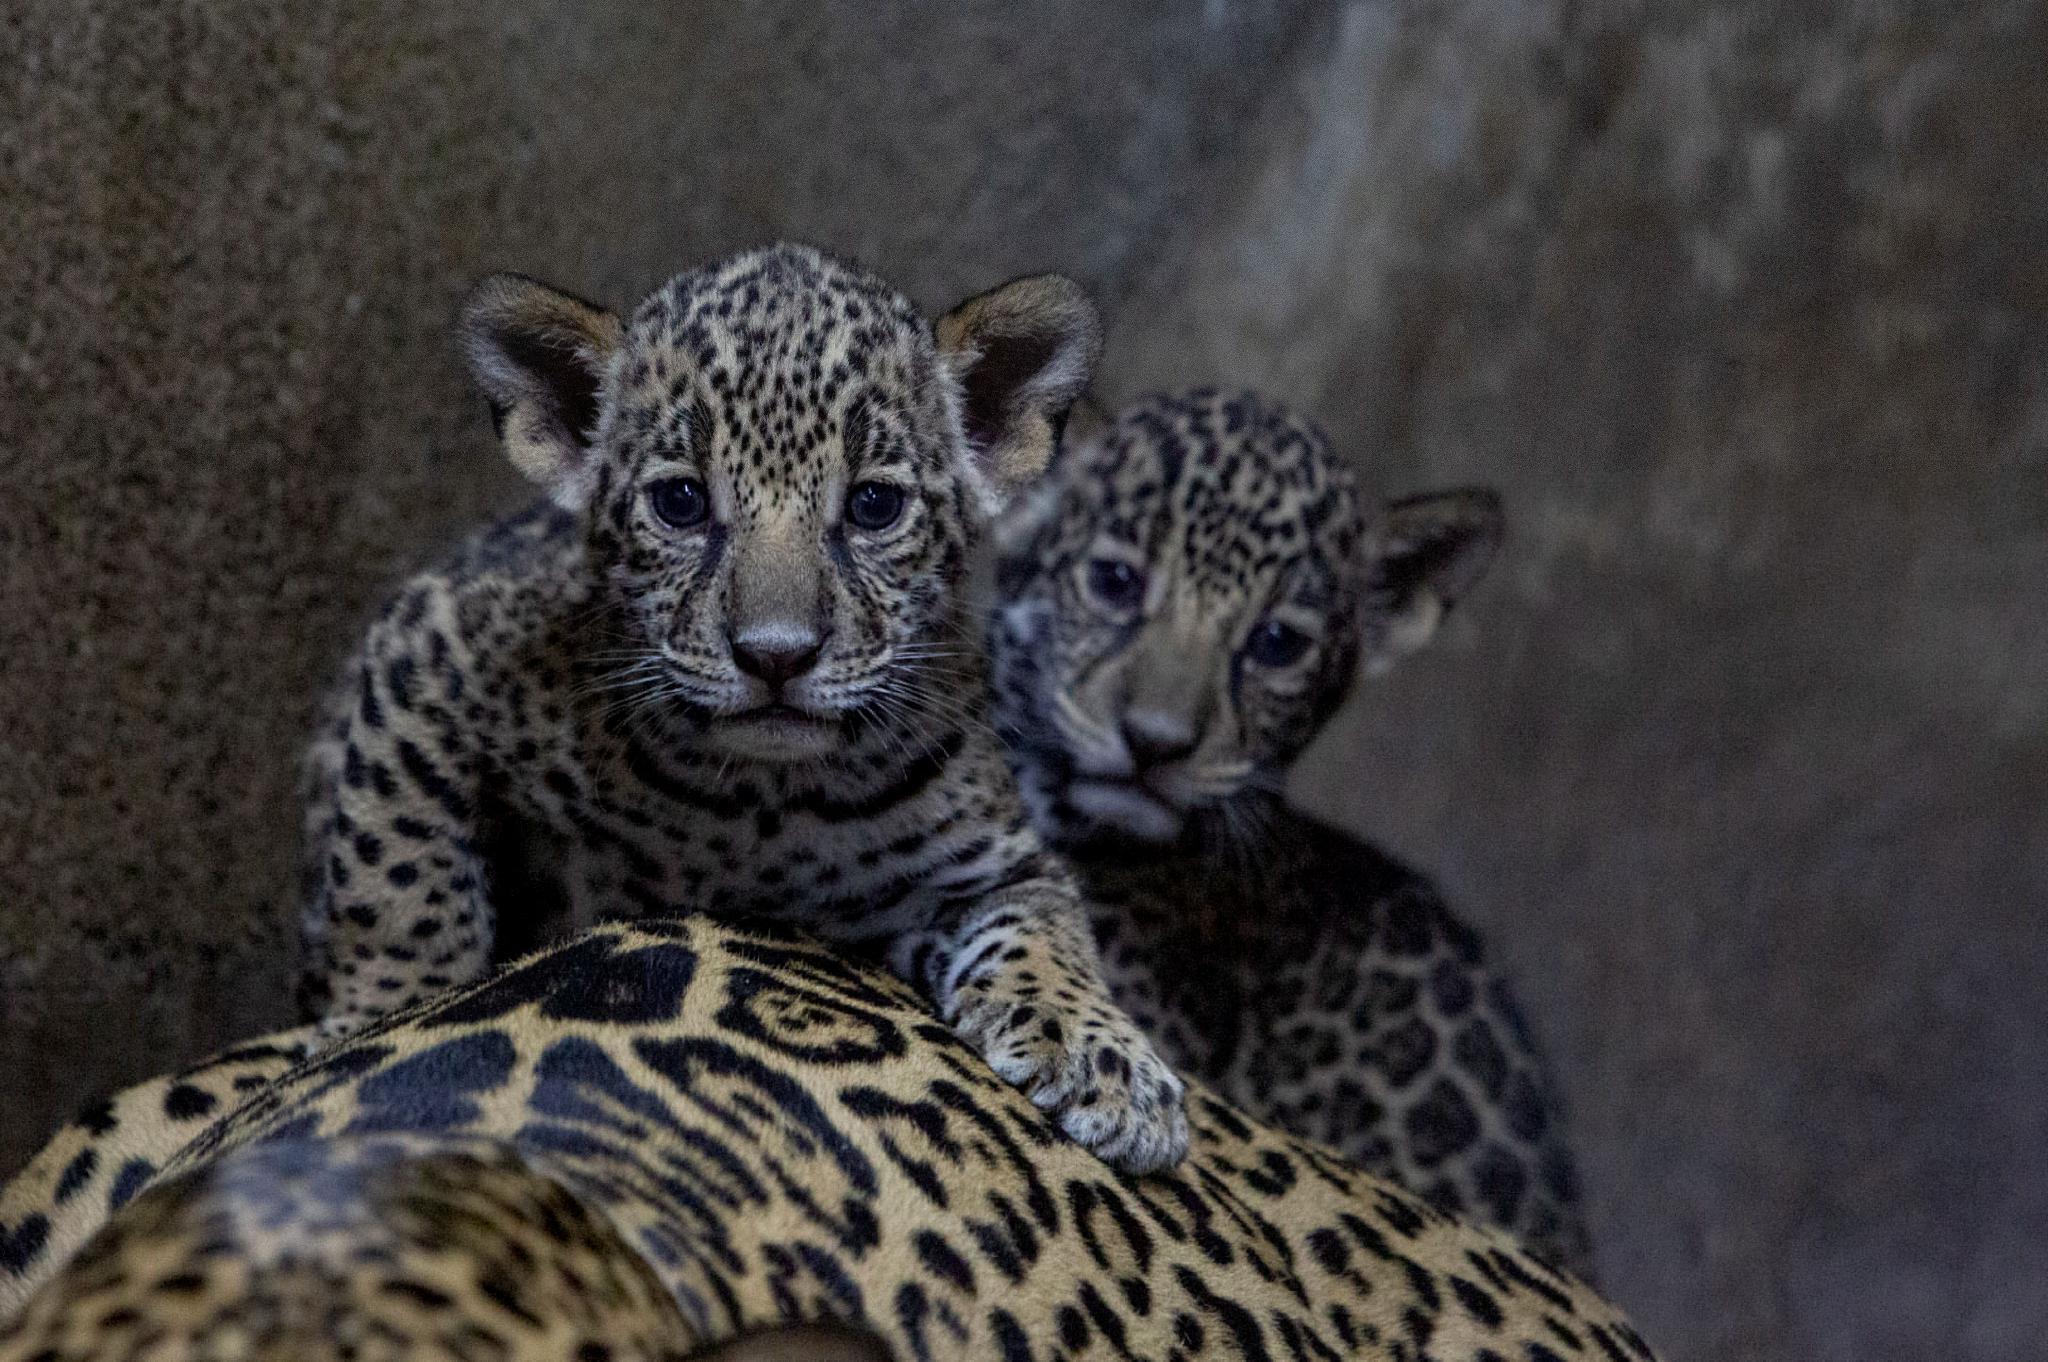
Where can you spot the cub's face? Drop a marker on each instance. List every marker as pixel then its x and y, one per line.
pixel 783 500
pixel 785 471
pixel 1185 603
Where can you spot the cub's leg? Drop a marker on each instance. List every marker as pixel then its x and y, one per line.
pixel 1017 976
pixel 396 906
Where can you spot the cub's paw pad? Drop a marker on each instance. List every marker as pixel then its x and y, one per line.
pixel 1096 1074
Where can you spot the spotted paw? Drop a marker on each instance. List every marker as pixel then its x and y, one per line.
pixel 1093 1070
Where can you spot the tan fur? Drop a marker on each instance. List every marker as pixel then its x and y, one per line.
pixel 799 1142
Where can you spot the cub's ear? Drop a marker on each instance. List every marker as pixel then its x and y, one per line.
pixel 1031 511
pixel 1421 556
pixel 540 357
pixel 1022 353
pixel 820 1342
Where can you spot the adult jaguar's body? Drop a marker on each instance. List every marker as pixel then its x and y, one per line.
pixel 661 1136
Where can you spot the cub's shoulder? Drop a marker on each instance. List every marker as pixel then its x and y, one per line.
pixel 502 589
pixel 543 541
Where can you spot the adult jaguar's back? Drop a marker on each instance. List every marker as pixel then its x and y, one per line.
pixel 658 1137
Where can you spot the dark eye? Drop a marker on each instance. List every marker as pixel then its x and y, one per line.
pixel 1274 644
pixel 681 502
pixel 874 505
pixel 1116 583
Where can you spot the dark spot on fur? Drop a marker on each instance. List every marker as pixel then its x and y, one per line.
pixel 186 1103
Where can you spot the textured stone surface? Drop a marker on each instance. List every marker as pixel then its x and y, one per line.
pixel 1739 757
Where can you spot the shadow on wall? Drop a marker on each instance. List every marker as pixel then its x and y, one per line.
pixel 1737 756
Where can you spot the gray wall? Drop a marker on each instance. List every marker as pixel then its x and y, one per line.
pixel 1737 757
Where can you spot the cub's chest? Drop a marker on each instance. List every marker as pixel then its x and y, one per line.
pixel 865 856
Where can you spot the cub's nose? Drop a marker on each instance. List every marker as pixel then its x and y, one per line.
pixel 1156 737
pixel 776 653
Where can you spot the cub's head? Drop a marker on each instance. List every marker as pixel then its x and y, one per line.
pixel 784 470
pixel 1187 599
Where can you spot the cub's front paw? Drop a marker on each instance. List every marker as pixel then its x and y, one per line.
pixel 1092 1069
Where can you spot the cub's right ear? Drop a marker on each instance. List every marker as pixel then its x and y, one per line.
pixel 1421 556
pixel 815 1342
pixel 540 357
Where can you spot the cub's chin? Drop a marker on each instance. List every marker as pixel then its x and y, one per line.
pixel 1127 809
pixel 773 734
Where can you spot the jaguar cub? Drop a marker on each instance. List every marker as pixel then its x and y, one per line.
pixel 1186 599
pixel 722 667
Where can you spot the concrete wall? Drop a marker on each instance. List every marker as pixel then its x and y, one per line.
pixel 1738 757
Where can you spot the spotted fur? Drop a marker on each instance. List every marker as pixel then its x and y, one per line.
pixel 1305 975
pixel 98 1162
pixel 710 674
pixel 668 1135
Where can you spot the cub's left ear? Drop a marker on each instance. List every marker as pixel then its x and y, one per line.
pixel 1421 556
pixel 1022 354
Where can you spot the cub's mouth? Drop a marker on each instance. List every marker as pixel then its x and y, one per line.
pixel 1127 806
pixel 776 713
pixel 775 732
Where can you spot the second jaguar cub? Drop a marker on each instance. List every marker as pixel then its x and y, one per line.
pixel 723 667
